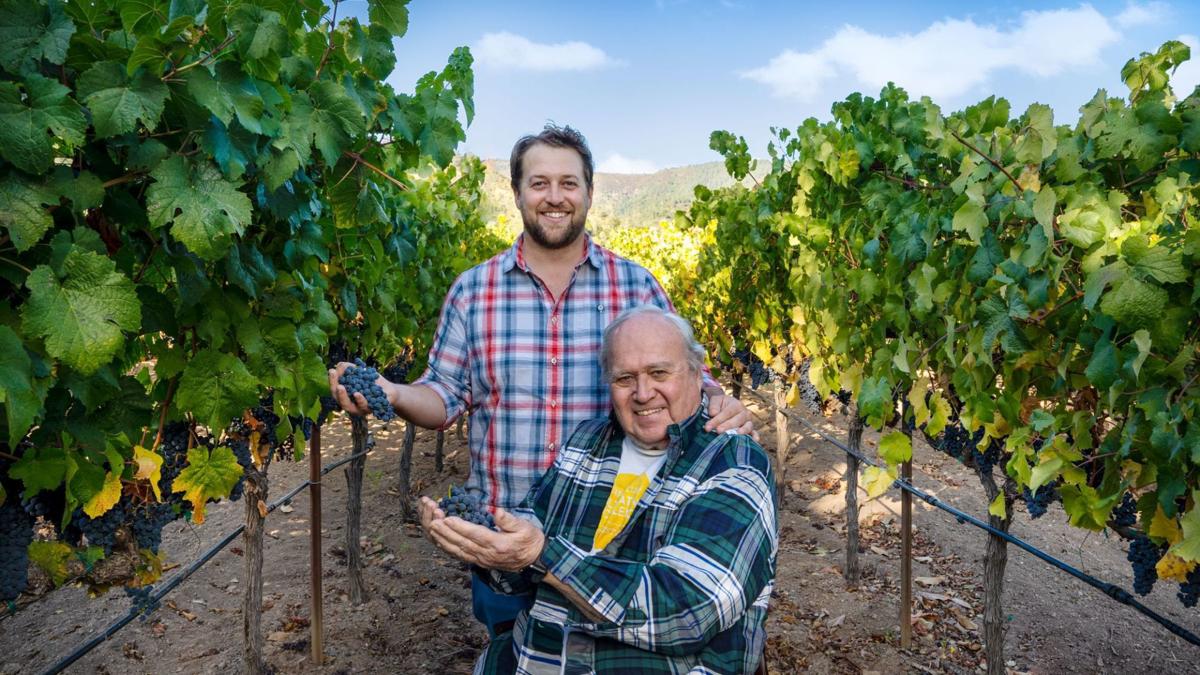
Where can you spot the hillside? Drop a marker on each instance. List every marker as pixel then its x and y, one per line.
pixel 619 199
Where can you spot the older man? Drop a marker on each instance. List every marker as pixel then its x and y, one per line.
pixel 650 544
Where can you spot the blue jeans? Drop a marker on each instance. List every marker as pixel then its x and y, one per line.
pixel 496 610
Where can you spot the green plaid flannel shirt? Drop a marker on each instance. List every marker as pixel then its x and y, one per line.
pixel 684 587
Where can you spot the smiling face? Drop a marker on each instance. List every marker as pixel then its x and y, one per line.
pixel 651 383
pixel 553 197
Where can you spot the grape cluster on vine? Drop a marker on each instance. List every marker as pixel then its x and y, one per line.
pixel 173 448
pixel 360 379
pixel 147 520
pixel 759 372
pixel 16 532
pixel 467 506
pixel 1144 555
pixel 1125 515
pixel 1037 502
pixel 1189 591
pixel 809 395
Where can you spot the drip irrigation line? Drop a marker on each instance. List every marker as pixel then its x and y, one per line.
pixel 1111 590
pixel 179 578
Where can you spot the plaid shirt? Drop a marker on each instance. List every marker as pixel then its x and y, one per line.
pixel 526 367
pixel 684 587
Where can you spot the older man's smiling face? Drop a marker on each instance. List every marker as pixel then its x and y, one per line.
pixel 651 384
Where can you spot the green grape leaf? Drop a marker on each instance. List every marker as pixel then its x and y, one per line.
pixel 47 106
pixel 25 215
pixel 998 323
pixel 40 469
pixel 118 102
pixel 208 475
pixel 20 397
pixel 1043 210
pixel 895 448
pixel 210 93
pixel 204 208
pixel 1189 547
pixel 389 14
pixel 142 17
pixel 83 312
pixel 336 121
pixel 877 480
pixel 52 557
pixel 216 387
pixel 31 32
pixel 1102 368
pixel 1135 304
pixel 1040 139
pixel 971 219
pixel 1159 262
pixel 875 401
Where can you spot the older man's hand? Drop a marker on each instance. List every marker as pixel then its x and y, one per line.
pixel 729 414
pixel 516 546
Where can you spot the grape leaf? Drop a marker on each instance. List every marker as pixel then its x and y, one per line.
pixel 998 508
pixel 142 17
pixel 40 469
pixel 83 312
pixel 998 323
pixel 1135 304
pixel 25 213
pixel 1102 367
pixel 204 208
pixel 108 496
pixel 1188 546
pixel 877 480
pixel 216 388
pixel 895 448
pixel 47 106
pixel 1159 262
pixel 336 121
pixel 117 102
pixel 208 475
pixel 52 557
pixel 32 31
pixel 17 391
pixel 149 467
pixel 389 14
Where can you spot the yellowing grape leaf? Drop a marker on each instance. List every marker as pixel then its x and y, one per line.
pixel 207 476
pixel 106 498
pixel 1165 528
pixel 939 415
pixel 998 508
pixel 916 399
pixel 1172 567
pixel 52 557
pixel 895 448
pixel 876 480
pixel 149 467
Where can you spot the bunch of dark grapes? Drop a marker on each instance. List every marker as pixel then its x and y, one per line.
pixel 174 449
pixel 809 395
pixel 360 379
pixel 264 412
pixel 467 506
pixel 955 441
pixel 146 522
pixel 1189 591
pixel 143 601
pixel 16 531
pixel 1125 515
pixel 48 504
pixel 1037 502
pixel 1144 554
pixel 844 396
pixel 241 450
pixel 759 372
pixel 398 371
pixel 100 531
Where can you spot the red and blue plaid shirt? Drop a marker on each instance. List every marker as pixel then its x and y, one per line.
pixel 527 367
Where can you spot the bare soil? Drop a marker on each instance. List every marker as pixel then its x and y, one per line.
pixel 417 618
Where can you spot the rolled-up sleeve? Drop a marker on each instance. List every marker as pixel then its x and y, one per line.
pixel 447 372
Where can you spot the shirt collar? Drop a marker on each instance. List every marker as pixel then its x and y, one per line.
pixel 679 436
pixel 514 257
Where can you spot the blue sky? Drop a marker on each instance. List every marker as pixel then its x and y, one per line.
pixel 648 81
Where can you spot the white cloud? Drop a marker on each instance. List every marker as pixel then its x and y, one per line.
pixel 513 52
pixel 617 163
pixel 1187 76
pixel 1136 14
pixel 949 58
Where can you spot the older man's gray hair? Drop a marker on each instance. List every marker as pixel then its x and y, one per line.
pixel 693 350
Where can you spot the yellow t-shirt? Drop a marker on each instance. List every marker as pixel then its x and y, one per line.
pixel 638 467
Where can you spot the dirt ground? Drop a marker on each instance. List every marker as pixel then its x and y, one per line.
pixel 418 617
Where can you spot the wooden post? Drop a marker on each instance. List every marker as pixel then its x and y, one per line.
pixel 316 618
pixel 407 512
pixel 736 381
pixel 354 476
pixel 252 543
pixel 782 440
pixel 994 562
pixel 854 442
pixel 439 453
pixel 906 560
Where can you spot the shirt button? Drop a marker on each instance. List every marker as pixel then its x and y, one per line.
pixel 553 403
pixel 551 446
pixel 554 360
pixel 600 307
pixel 554 319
